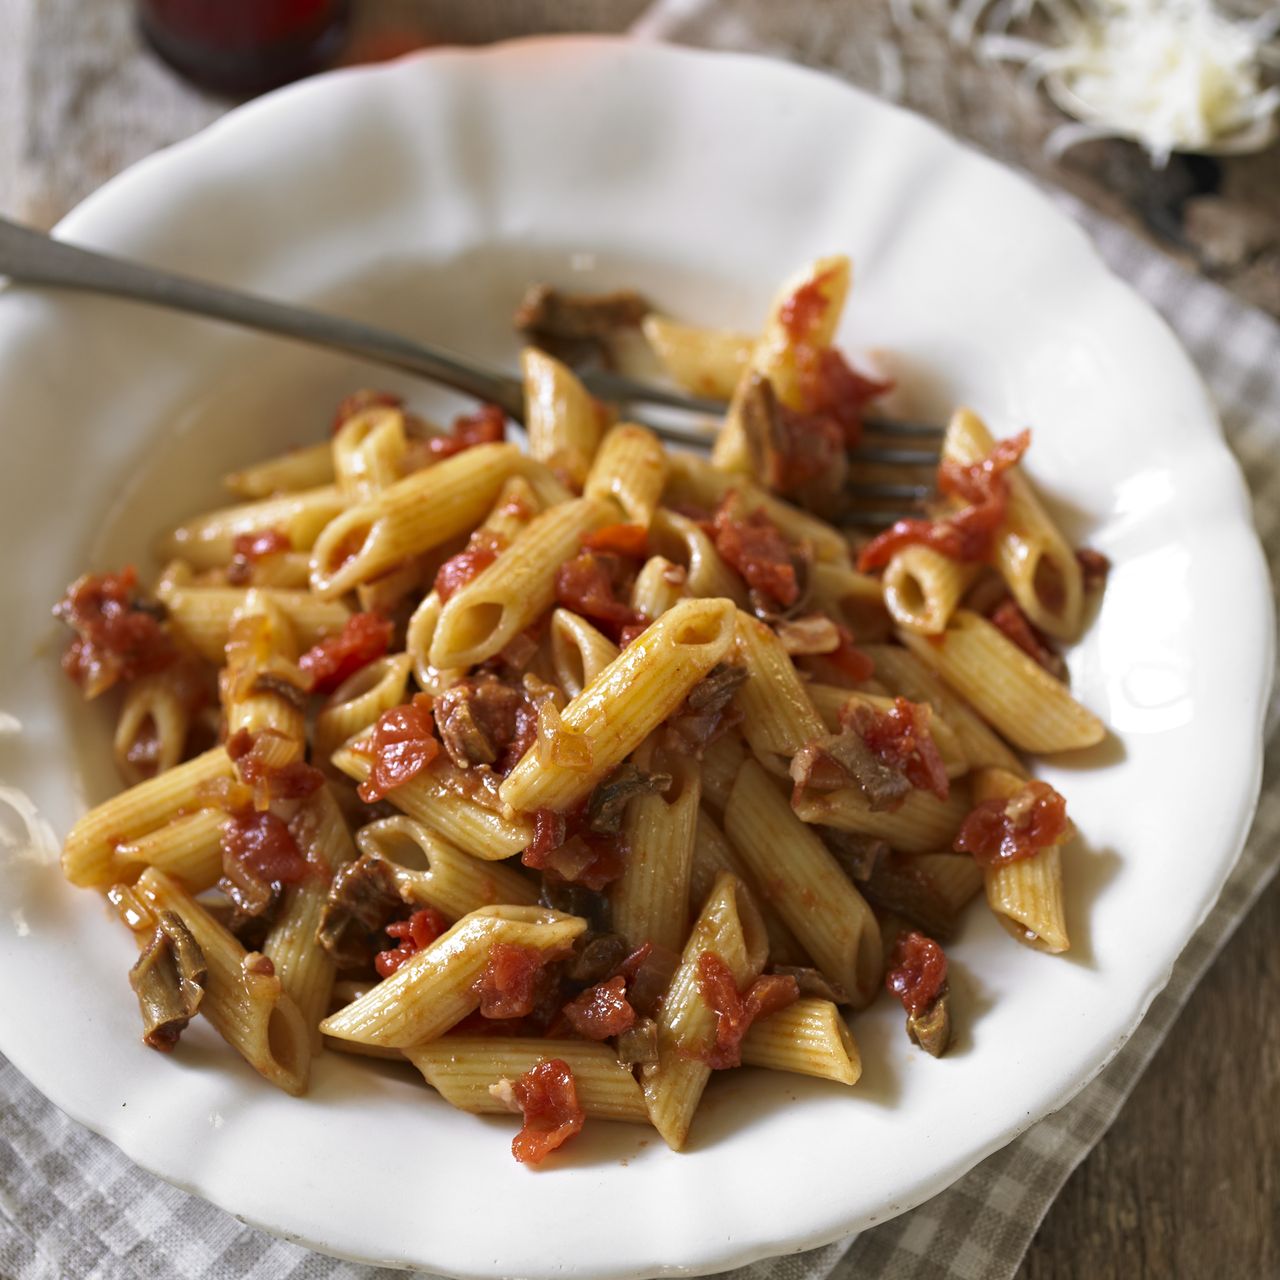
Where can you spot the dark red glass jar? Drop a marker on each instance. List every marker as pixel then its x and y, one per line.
pixel 244 46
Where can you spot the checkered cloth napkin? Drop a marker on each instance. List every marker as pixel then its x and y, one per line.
pixel 72 1206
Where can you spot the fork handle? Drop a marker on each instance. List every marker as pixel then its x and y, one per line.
pixel 31 257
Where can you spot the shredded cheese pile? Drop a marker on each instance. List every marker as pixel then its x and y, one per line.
pixel 1176 75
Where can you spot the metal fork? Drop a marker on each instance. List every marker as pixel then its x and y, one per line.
pixel 28 256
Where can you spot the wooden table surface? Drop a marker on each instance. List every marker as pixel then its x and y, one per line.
pixel 1187 1182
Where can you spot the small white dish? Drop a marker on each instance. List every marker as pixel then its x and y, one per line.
pixel 424 196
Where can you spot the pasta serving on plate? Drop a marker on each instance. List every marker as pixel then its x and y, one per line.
pixel 576 775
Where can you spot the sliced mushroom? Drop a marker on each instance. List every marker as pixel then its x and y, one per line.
pixel 931 1030
pixel 362 900
pixel 169 981
pixel 609 800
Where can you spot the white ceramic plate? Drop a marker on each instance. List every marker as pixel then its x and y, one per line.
pixel 424 196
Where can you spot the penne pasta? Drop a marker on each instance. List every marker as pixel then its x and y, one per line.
pixel 631 470
pixel 730 927
pixel 1035 560
pixel 207 542
pixel 777 716
pixel 707 362
pixel 564 423
pixel 923 823
pixel 809 1038
pixel 244 998
pixel 1007 687
pixel 437 988
pixel 578 651
pixel 310 467
pixel 89 856
pixel 626 702
pixel 922 588
pixel 358 701
pixel 1026 896
pixel 803 882
pixel 467 1072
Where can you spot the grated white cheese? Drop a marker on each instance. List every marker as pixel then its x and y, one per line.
pixel 1175 75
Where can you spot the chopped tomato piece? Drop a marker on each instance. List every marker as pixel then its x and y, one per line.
pixel 849 658
pixel 967 535
pixel 801 311
pixel 488 425
pixel 261 844
pixel 1016 626
pixel 508 987
pixel 589 584
pixel 548 1098
pixel 736 1011
pixel 359 401
pixel 1005 829
pixel 479 553
pixel 917 971
pixel 899 737
pixel 116 639
pixel 602 1011
pixel 415 934
pixel 831 389
pixel 402 746
pixel 754 547
pixel 364 638
pixel 562 848
pixel 621 539
pixel 248 549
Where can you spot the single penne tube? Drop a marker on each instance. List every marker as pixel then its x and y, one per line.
pixel 922 588
pixel 261 643
pixel 954 877
pixel 244 998
pixel 431 872
pixel 852 598
pixel 310 467
pixel 721 760
pixel 358 701
pixel 207 542
pixel 417 514
pixel 824 285
pixel 1006 686
pixel 634 694
pixel 436 988
pixel 305 968
pixel 478 828
pixel 685 543
pixel 707 362
pixel 289 569
pixel 922 824
pixel 369 451
pixel 803 882
pixel 830 702
pixel 631 469
pixel 902 672
pixel 712 854
pixel 152 728
pixel 188 848
pixel 777 716
pixel 658 585
pixel 564 423
pixel 693 479
pixel 89 856
pixel 650 900
pixel 578 651
pixel 418 640
pixel 516 506
pixel 809 1038
pixel 201 616
pixel 1026 896
pixel 729 926
pixel 1036 561
pixel 485 615
pixel 465 1070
